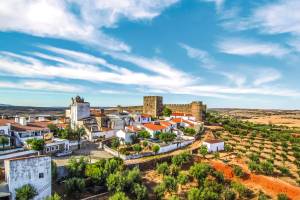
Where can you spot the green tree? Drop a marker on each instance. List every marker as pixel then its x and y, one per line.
pixel 74 185
pixel 137 148
pixel 78 133
pixel 238 171
pixel 96 173
pixel 180 159
pixel 155 149
pixel 267 168
pixel 4 141
pixel 229 195
pixel 54 129
pixel 115 143
pixel 200 171
pixel 55 196
pixel 76 166
pixel 36 144
pixel 53 170
pixel 26 192
pixel 167 112
pixel 159 190
pixel 143 134
pixel 282 196
pixel 167 137
pixel 203 151
pixel 116 182
pixel 140 191
pixel 194 194
pixel 182 179
pixel 208 194
pixel 119 196
pixel 170 184
pixel 163 168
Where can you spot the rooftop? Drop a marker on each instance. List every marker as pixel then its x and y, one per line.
pixel 154 127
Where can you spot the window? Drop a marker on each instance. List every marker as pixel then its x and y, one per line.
pixel 2 132
pixel 41 175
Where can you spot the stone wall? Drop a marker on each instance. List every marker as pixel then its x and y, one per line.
pixel 195 108
pixel 153 105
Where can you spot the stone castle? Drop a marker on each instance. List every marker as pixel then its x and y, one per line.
pixel 153 105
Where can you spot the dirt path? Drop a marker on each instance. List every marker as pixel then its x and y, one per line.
pixel 272 186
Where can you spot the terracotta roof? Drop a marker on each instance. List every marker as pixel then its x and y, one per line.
pixel 133 128
pixel 165 123
pixel 4 122
pixel 154 127
pixel 32 126
pixel 177 120
pixel 213 141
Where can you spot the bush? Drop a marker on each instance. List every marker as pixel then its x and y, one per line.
pixel 182 158
pixel 163 168
pixel 282 196
pixel 170 183
pixel 140 191
pixel 200 171
pixel 194 194
pixel 116 182
pixel 173 170
pixel 254 157
pixel 182 178
pixel 36 144
pixel 167 137
pixel 284 171
pixel 159 191
pixel 238 171
pixel 137 148
pixel 267 168
pixel 115 143
pixel 26 192
pixel 54 197
pixel 119 196
pixel 253 166
pixel 229 195
pixel 74 185
pixel 143 134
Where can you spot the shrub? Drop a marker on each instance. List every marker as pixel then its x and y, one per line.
pixel 163 168
pixel 282 196
pixel 119 196
pixel 167 137
pixel 54 197
pixel 115 143
pixel 155 149
pixel 200 171
pixel 143 134
pixel 194 193
pixel 173 170
pixel 284 171
pixel 140 191
pixel 229 195
pixel 26 192
pixel 182 178
pixel 254 157
pixel 74 185
pixel 203 151
pixel 170 183
pixel 267 168
pixel 36 144
pixel 116 182
pixel 238 171
pixel 159 191
pixel 253 166
pixel 180 159
pixel 137 148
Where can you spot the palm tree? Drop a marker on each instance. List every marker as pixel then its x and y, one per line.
pixel 78 133
pixel 3 141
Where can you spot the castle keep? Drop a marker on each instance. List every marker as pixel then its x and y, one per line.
pixel 153 105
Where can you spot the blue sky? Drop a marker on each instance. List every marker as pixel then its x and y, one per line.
pixel 225 53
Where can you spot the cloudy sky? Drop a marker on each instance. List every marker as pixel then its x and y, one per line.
pixel 226 53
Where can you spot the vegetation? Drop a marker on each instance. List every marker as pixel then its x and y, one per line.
pixel 26 192
pixel 74 185
pixel 55 196
pixel 167 137
pixel 155 149
pixel 143 134
pixel 4 141
pixel 36 144
pixel 203 151
pixel 167 112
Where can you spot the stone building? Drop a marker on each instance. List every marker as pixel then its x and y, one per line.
pixel 153 105
pixel 35 170
pixel 79 109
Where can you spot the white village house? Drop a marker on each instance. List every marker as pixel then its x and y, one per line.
pixel 214 145
pixel 35 170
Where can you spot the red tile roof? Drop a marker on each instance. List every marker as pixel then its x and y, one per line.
pixel 213 141
pixel 154 127
pixel 145 115
pixel 165 123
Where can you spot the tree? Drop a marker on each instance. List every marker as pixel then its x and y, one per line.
pixel 115 143
pixel 194 194
pixel 143 134
pixel 140 191
pixel 182 179
pixel 203 151
pixel 133 176
pixel 167 112
pixel 167 137
pixel 163 168
pixel 4 141
pixel 54 129
pixel 78 133
pixel 282 196
pixel 137 148
pixel 229 195
pixel 208 194
pixel 155 149
pixel 170 184
pixel 54 197
pixel 74 185
pixel 119 196
pixel 159 191
pixel 200 171
pixel 26 192
pixel 116 182
pixel 180 159
pixel 96 173
pixel 267 168
pixel 76 166
pixel 36 144
pixel 238 171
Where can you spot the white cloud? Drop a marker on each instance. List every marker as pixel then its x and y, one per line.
pixel 55 18
pixel 200 55
pixel 219 3
pixel 266 75
pixel 41 85
pixel 248 47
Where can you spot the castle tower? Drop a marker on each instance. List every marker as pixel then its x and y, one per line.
pixel 153 105
pixel 196 110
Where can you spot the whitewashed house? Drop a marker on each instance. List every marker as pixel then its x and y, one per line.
pixel 35 170
pixel 154 128
pixel 125 136
pixel 5 132
pixel 214 145
pixel 183 116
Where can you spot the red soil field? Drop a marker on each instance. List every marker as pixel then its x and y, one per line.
pixel 270 185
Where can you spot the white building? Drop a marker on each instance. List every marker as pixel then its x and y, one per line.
pixel 34 170
pixel 78 110
pixel 156 127
pixel 214 145
pixel 125 136
pixel 5 131
pixel 183 116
